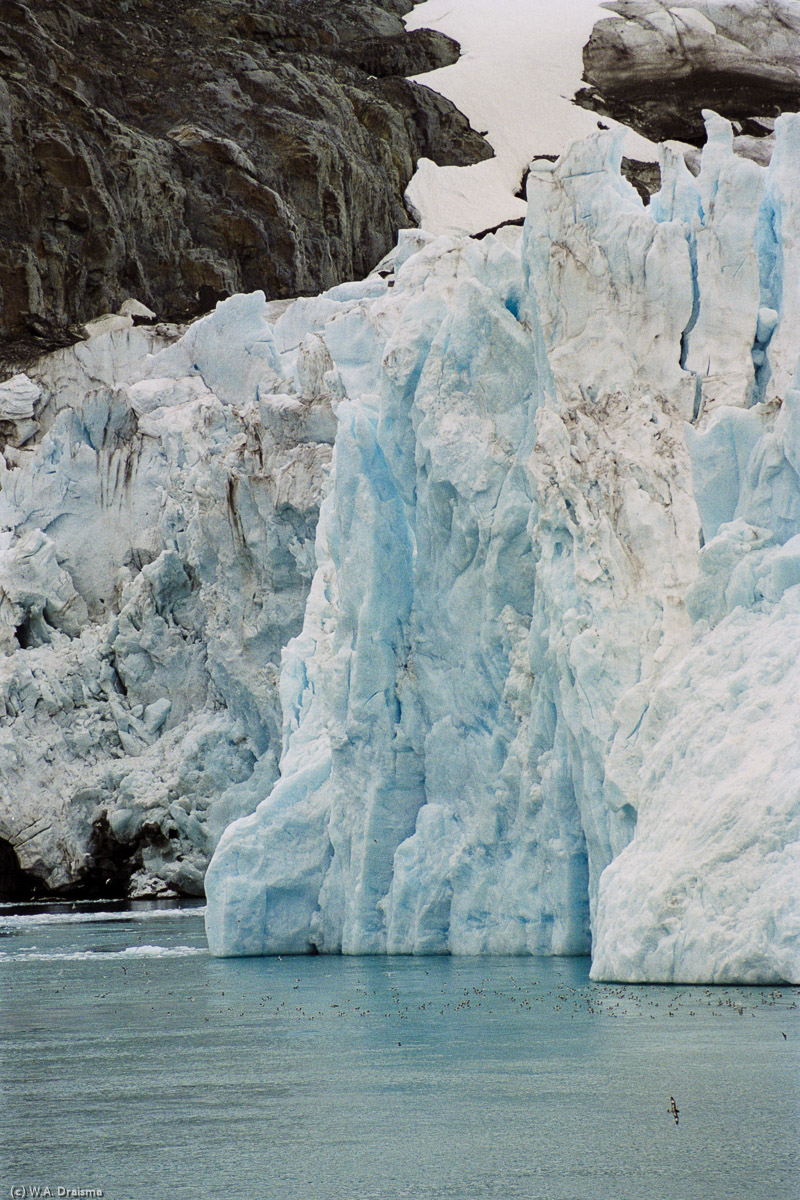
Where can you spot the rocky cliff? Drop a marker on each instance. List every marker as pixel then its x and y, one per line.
pixel 181 153
pixel 657 65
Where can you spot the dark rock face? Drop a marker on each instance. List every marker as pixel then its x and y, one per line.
pixel 15 884
pixel 645 176
pixel 179 153
pixel 658 64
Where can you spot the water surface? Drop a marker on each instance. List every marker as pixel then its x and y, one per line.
pixel 133 1062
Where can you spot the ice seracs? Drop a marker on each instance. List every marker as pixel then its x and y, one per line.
pixel 707 891
pixel 526 511
pixel 18 398
pixel 156 553
pixel 527 713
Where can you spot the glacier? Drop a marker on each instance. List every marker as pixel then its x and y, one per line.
pixel 159 493
pixel 456 610
pixel 543 700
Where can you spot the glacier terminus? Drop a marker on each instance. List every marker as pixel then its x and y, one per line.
pixel 544 700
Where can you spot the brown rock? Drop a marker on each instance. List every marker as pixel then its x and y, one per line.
pixel 181 154
pixel 657 64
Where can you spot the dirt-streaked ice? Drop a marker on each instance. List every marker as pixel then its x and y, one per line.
pixel 527 712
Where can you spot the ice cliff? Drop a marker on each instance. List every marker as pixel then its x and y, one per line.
pixel 539 692
pixel 544 696
pixel 159 498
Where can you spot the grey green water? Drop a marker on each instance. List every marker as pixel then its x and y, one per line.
pixel 134 1063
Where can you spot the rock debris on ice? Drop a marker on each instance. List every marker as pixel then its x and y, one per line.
pixel 157 554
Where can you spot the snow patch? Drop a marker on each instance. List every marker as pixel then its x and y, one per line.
pixel 521 63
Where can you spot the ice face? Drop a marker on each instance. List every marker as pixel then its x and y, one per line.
pixel 541 697
pixel 156 555
pixel 526 713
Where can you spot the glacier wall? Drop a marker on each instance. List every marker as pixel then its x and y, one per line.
pixel 543 700
pixel 159 494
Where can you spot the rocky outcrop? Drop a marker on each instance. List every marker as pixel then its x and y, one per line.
pixel 183 153
pixel 658 64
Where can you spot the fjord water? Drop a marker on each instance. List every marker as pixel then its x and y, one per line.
pixel 133 1062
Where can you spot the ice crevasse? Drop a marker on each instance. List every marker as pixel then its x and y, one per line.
pixel 545 698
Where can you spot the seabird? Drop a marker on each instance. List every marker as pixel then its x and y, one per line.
pixel 673 1108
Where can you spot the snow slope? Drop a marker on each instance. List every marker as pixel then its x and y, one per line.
pixel 520 65
pixel 527 712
